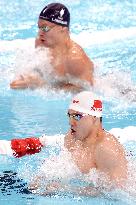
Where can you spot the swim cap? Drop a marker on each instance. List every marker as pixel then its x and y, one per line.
pixel 56 13
pixel 87 103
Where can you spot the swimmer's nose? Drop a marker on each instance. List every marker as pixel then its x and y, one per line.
pixel 72 122
pixel 41 33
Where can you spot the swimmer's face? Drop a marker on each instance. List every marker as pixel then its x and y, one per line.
pixel 48 33
pixel 81 127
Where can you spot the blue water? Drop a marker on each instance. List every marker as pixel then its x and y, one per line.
pixel 106 29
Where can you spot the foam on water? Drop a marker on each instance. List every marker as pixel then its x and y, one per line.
pixel 124 135
pixel 112 85
pixel 87 38
pixel 27 62
pixel 16 44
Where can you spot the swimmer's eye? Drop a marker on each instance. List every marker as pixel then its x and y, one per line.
pixel 76 117
pixel 46 28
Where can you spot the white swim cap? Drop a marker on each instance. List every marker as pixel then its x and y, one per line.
pixel 87 103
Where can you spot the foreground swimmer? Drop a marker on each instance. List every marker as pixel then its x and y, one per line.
pixel 68 59
pixel 88 143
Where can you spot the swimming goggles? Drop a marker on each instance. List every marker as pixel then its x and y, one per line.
pixel 76 116
pixel 46 28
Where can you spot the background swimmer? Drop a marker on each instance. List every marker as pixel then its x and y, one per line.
pixel 68 59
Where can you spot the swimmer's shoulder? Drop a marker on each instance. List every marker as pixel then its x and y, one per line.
pixel 76 49
pixel 108 143
pixel 76 52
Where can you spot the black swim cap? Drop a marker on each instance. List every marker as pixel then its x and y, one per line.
pixel 56 13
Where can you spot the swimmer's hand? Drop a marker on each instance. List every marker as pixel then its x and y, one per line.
pixel 24 81
pixel 52 188
pixel 36 184
pixel 55 187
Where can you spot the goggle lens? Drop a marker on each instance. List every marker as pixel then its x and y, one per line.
pixel 76 117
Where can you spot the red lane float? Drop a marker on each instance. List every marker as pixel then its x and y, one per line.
pixel 25 146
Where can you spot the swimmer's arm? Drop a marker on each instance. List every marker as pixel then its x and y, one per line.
pixel 82 191
pixel 27 81
pixel 36 183
pixel 56 187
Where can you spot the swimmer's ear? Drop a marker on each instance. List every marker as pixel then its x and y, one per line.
pixel 64 29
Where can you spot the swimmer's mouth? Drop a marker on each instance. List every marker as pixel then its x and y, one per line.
pixel 72 131
pixel 42 40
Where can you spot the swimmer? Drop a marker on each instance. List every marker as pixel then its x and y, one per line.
pixel 89 144
pixel 68 59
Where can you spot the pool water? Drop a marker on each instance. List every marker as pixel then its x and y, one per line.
pixel 106 29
